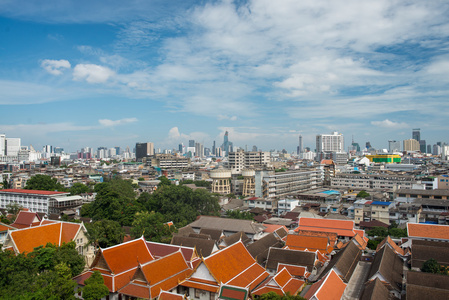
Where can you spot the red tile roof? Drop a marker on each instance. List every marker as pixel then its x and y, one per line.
pixel 26 219
pixel 392 244
pixel 34 192
pixel 428 231
pixel 297 271
pixel 160 250
pixel 170 296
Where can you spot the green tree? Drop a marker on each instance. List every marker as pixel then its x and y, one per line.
pixel 163 181
pixel 13 208
pixel 6 184
pixel 105 233
pixel 236 214
pixel 378 231
pixel 56 284
pixel 363 194
pixel 152 226
pixel 397 232
pixel 79 188
pixel 94 288
pixel 431 266
pixel 44 183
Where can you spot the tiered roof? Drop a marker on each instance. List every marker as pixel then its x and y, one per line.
pixel 392 244
pixel 330 287
pixel 26 219
pixel 233 265
pixel 281 284
pixel 308 243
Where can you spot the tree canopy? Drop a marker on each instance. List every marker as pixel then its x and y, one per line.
pixel 105 233
pixel 44 273
pixel 363 194
pixel 94 288
pixel 44 183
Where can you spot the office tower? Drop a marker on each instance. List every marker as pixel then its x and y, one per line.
pixel 2 144
pixel 429 149
pixel 180 148
pixel 300 145
pixel 58 150
pixel 199 150
pixel 213 148
pixel 144 150
pixel 411 145
pixel 227 145
pixel 422 146
pixel 330 142
pixel 368 145
pixel 416 134
pixel 191 143
pixel 118 151
pixel 436 149
pixel 48 149
pixel 254 148
pixel 12 146
pixel 394 146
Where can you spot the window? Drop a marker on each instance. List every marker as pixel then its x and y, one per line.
pixel 197 293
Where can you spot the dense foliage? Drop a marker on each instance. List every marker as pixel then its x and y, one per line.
pixel 94 288
pixel 79 188
pixel 104 233
pixel 44 273
pixel 378 234
pixel 116 201
pixel 432 266
pixel 198 183
pixel 236 214
pixel 363 194
pixel 44 183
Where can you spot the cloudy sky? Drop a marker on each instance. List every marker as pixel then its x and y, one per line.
pixel 113 73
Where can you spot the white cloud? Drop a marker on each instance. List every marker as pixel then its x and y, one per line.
pixel 92 73
pixel 390 124
pixel 226 117
pixel 55 67
pixel 110 123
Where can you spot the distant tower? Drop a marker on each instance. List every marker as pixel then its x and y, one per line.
pixel 300 146
pixel 416 134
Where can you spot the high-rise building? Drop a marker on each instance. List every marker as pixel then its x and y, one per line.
pixel 191 143
pixel 227 145
pixel 429 149
pixel 300 145
pixel 181 148
pixel 422 146
pixel 411 145
pixel 416 134
pixel 118 151
pixel 12 146
pixel 330 142
pixel 2 144
pixel 213 148
pixel 144 150
pixel 199 150
pixel 394 146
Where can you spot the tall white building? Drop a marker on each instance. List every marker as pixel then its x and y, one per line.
pixel 394 146
pixel 12 146
pixel 2 144
pixel 330 142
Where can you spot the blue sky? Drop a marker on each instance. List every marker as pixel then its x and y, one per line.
pixel 113 73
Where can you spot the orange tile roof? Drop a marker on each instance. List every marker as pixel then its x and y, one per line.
pixel 361 243
pixel 120 280
pixel 429 231
pixel 229 262
pixel 340 227
pixel 298 271
pixel 311 243
pixel 193 283
pixel 392 244
pixel 5 227
pixel 251 277
pixel 282 283
pixel 126 256
pixel 331 287
pixel 170 296
pixel 331 235
pixel 273 227
pixel 27 239
pixel 136 290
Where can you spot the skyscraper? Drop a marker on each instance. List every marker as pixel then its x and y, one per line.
pixel 300 145
pixel 394 146
pixel 2 144
pixel 330 142
pixel 144 150
pixel 227 145
pixel 416 134
pixel 191 143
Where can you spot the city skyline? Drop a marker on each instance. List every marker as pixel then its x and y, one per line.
pixel 77 74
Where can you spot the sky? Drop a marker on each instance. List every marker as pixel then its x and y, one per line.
pixel 113 73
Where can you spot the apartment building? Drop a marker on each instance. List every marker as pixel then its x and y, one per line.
pixel 240 160
pixel 372 181
pixel 280 184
